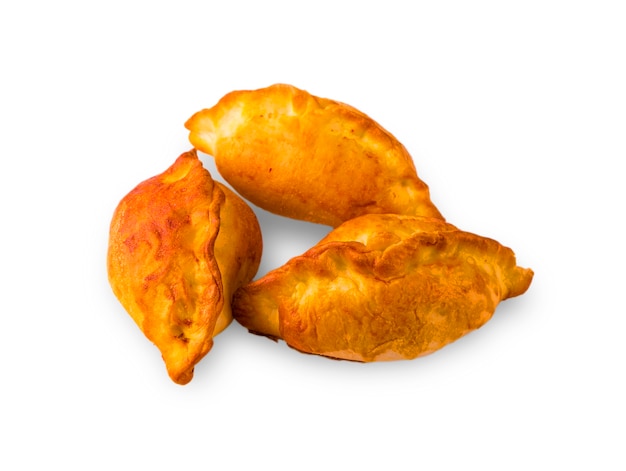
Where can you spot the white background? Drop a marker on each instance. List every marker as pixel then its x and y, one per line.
pixel 515 114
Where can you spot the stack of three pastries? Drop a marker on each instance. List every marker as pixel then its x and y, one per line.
pixel 392 279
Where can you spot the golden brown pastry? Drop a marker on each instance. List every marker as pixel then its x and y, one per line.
pixel 383 287
pixel 180 244
pixel 308 158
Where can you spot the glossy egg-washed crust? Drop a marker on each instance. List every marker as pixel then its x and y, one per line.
pixel 383 287
pixel 180 244
pixel 308 158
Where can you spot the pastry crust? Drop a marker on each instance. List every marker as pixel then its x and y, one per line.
pixel 308 158
pixel 383 287
pixel 180 244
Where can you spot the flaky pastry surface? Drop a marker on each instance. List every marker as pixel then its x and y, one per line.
pixel 180 244
pixel 383 287
pixel 307 157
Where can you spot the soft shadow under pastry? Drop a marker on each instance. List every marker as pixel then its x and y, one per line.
pixel 308 158
pixel 180 244
pixel 383 287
